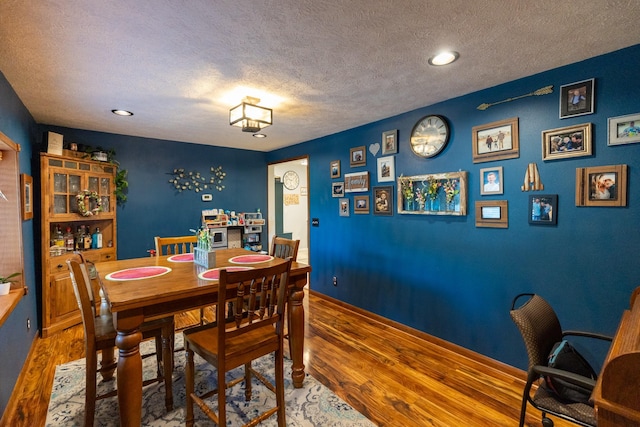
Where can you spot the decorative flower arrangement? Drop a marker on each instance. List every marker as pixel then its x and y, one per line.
pixel 432 188
pixel 421 195
pixel 183 180
pixel 450 189
pixel 406 187
pixel 84 199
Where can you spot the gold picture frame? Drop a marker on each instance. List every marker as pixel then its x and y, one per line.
pixel 602 186
pixel 26 183
pixel 569 141
pixel 496 141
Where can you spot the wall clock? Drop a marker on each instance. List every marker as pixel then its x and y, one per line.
pixel 429 136
pixel 291 180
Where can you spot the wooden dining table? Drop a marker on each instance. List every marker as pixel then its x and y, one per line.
pixel 178 286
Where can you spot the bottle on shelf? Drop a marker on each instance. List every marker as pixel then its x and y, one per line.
pixel 87 238
pixel 58 239
pixel 80 238
pixel 69 240
pixel 96 239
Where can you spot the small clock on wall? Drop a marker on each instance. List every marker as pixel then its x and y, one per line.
pixel 291 180
pixel 429 136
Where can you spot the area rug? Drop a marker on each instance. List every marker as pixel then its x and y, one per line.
pixel 312 405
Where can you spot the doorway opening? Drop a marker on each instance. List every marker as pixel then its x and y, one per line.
pixel 288 202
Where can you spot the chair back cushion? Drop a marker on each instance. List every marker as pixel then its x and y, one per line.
pixel 539 327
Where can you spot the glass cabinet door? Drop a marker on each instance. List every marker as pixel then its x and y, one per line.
pixel 65 188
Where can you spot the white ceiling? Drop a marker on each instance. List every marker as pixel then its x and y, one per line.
pixel 323 65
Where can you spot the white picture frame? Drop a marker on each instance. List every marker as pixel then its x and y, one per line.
pixel 624 130
pixel 386 169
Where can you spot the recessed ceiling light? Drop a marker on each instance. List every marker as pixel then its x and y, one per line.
pixel 122 112
pixel 443 58
pixel 259 135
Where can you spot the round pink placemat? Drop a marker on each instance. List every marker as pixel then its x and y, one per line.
pixel 137 273
pixel 181 258
pixel 250 259
pixel 214 273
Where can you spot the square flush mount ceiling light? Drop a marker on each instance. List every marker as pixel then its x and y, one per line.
pixel 249 116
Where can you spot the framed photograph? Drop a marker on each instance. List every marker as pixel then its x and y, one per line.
pixel 602 186
pixel 570 141
pixel 577 99
pixel 335 169
pixel 543 209
pixel 26 183
pixel 491 181
pixel 386 169
pixel 390 142
pixel 358 156
pixel 383 200
pixel 357 182
pixel 337 189
pixel 344 207
pixel 361 204
pixel 496 141
pixel 624 129
pixel 492 214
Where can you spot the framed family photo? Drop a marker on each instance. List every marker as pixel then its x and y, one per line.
pixel 491 181
pixel 624 129
pixel 543 209
pixel 383 200
pixel 570 141
pixel 343 207
pixel 334 166
pixel 390 142
pixel 577 99
pixel 361 204
pixel 337 189
pixel 496 141
pixel 358 156
pixel 386 169
pixel 602 186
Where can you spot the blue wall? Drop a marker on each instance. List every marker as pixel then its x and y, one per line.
pixel 444 276
pixel 441 275
pixel 15 339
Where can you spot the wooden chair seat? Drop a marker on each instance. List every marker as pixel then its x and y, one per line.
pixel 100 336
pixel 252 328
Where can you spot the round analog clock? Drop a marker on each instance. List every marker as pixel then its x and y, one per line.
pixel 429 136
pixel 290 180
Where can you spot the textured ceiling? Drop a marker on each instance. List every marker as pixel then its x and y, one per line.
pixel 323 65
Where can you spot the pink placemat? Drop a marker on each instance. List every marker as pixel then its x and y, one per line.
pixel 181 258
pixel 138 273
pixel 250 259
pixel 214 273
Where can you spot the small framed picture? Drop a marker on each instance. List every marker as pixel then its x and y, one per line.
pixel 26 182
pixel 383 200
pixel 491 181
pixel 492 214
pixel 543 209
pixel 624 129
pixel 602 186
pixel 496 141
pixel 334 166
pixel 361 204
pixel 390 142
pixel 344 207
pixel 337 189
pixel 577 99
pixel 386 169
pixel 356 182
pixel 358 156
pixel 570 141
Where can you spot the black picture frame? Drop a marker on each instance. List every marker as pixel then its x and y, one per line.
pixel 543 209
pixel 383 200
pixel 577 99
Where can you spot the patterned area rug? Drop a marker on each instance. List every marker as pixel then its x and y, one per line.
pixel 312 405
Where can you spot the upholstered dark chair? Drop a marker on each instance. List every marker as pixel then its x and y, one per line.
pixel 252 329
pixel 540 330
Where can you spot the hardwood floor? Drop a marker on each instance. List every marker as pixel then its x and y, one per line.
pixel 393 377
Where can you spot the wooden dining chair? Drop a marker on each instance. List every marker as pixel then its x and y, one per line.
pixel 241 336
pixel 175 245
pixel 100 335
pixel 284 248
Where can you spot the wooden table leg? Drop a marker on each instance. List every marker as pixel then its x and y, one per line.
pixel 296 334
pixel 129 369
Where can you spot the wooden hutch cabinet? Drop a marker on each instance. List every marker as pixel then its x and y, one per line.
pixel 70 186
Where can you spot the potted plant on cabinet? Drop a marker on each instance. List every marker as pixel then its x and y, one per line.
pixel 5 283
